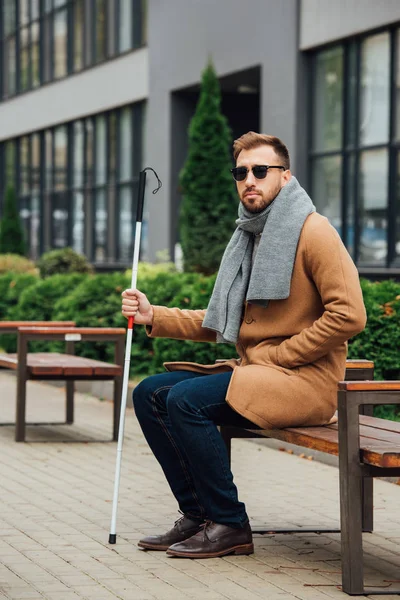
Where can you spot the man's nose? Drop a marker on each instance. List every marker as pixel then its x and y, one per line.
pixel 250 179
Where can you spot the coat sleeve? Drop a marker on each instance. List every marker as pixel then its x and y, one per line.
pixel 180 324
pixel 336 279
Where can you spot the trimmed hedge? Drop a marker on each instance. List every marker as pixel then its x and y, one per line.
pixel 95 301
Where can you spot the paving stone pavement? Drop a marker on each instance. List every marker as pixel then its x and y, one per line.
pixel 55 510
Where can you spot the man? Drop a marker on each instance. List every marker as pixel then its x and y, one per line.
pixel 288 295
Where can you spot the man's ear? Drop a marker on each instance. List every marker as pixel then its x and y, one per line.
pixel 286 177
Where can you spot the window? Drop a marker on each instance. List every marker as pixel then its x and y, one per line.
pixel 350 167
pixel 46 40
pixel 77 184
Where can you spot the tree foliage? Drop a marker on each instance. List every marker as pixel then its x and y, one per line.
pixel 209 204
pixel 12 238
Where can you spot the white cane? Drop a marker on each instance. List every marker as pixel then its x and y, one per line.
pixel 142 184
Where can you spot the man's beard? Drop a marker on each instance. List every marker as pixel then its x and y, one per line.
pixel 256 207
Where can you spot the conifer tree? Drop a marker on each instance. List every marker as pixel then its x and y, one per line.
pixel 209 203
pixel 12 238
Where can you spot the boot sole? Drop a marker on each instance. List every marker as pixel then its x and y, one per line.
pixel 238 550
pixel 145 546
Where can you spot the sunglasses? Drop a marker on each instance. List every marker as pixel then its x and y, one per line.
pixel 259 171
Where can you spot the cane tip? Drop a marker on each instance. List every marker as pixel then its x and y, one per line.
pixel 112 539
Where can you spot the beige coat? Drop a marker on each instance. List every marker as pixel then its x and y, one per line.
pixel 292 353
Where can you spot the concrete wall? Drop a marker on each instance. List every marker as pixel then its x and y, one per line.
pixel 115 83
pixel 324 21
pixel 236 35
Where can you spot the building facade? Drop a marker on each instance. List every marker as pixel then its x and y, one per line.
pixel 93 90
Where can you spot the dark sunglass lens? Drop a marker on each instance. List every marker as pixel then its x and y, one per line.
pixel 260 171
pixel 239 173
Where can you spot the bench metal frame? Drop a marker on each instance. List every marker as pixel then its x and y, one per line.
pixel 356 478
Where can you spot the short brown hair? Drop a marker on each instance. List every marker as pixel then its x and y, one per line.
pixel 251 140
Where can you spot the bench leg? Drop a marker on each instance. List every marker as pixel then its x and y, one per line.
pixel 351 496
pixel 69 413
pixel 367 484
pixel 117 406
pixel 368 504
pixel 21 407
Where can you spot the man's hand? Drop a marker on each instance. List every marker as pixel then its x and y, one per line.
pixel 135 304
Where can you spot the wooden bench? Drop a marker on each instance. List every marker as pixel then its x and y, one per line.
pixel 367 447
pixel 67 367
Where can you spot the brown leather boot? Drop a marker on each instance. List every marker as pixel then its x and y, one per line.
pixel 182 529
pixel 215 540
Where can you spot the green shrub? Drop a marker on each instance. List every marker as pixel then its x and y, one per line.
pixel 12 286
pixel 95 301
pixel 65 260
pixel 12 236
pixel 194 293
pixel 37 303
pixel 14 263
pixel 380 341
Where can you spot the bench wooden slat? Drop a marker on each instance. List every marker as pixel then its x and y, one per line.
pixel 378 451
pixel 81 330
pixel 370 386
pixel 5 325
pixel 359 364
pixel 9 361
pixel 53 363
pixel 382 456
pixel 378 423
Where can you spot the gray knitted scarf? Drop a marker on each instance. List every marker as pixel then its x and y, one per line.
pixel 270 276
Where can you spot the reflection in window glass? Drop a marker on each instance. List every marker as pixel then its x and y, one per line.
pixel 34 233
pixel 59 220
pixel 373 206
pixel 125 150
pixel 23 12
pixel 9 12
pixel 78 222
pixel 10 163
pixel 326 188
pixel 35 9
pixel 78 33
pixel 60 44
pixel 47 48
pixel 11 67
pixel 60 157
pixel 24 59
pixel 24 165
pixel 125 223
pixel 89 151
pixel 113 145
pixel 78 180
pixel 35 55
pixel 101 217
pixel 101 150
pixel 125 25
pixel 101 38
pixel 48 140
pixel 375 89
pixel 328 102
pixel 35 162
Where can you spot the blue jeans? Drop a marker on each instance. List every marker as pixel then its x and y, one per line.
pixel 179 413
